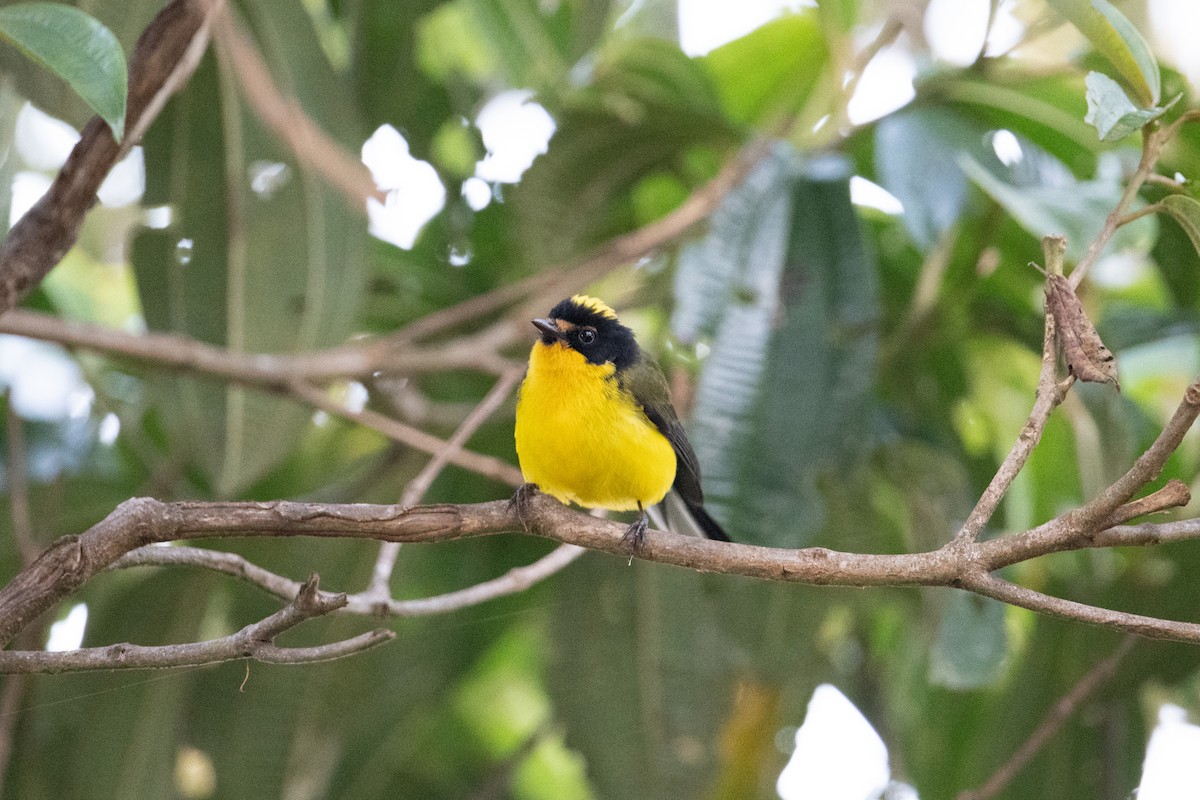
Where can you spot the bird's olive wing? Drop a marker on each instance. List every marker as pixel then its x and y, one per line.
pixel 646 382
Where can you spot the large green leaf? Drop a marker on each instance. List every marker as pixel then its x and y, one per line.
pixel 1119 41
pixel 772 70
pixel 50 92
pixel 392 84
pixel 254 266
pixel 785 393
pixel 911 162
pixel 1186 211
pixel 1112 113
pixel 1046 201
pixel 635 673
pixel 77 48
pixel 1046 110
pixel 537 45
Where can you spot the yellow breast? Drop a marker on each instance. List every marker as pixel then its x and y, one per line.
pixel 582 440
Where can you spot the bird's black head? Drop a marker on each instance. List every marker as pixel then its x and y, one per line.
pixel 590 327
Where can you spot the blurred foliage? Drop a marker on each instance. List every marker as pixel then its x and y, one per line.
pixel 852 378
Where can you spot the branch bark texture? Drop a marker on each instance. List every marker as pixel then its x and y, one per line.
pixel 74 560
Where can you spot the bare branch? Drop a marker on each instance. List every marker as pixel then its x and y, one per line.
pixel 1050 392
pixel 608 256
pixel 1173 495
pixel 255 641
pixel 263 370
pixel 516 580
pixel 1153 142
pixel 1149 534
pixel 1150 627
pixel 73 560
pixel 284 116
pixel 231 564
pixel 1050 725
pixel 415 491
pixel 415 438
pixel 167 53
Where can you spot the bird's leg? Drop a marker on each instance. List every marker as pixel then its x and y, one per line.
pixel 520 502
pixel 635 535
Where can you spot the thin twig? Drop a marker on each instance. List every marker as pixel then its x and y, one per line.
pixel 488 466
pixel 288 120
pixel 516 580
pixel 1050 725
pixel 414 492
pixel 264 370
pixel 1153 141
pixel 619 250
pixel 1050 393
pixel 1144 211
pixel 255 642
pixel 1150 627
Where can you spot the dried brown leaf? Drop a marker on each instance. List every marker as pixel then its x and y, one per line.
pixel 1087 357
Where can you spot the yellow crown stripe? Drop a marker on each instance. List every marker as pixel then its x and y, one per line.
pixel 593 304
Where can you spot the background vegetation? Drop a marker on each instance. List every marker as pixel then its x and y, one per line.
pixel 853 378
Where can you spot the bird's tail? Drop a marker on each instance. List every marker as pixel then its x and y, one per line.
pixel 707 524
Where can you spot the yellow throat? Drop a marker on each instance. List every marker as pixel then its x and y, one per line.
pixel 583 440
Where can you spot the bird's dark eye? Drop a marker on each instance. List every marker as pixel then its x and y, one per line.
pixel 587 336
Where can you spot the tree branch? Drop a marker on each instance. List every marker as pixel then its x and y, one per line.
pixel 289 122
pixel 73 560
pixel 1050 393
pixel 415 438
pixel 1058 715
pixel 415 491
pixel 272 371
pixel 516 580
pixel 255 641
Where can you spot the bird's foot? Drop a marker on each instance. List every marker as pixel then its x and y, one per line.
pixel 635 537
pixel 520 501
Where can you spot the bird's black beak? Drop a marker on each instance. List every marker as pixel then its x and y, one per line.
pixel 550 331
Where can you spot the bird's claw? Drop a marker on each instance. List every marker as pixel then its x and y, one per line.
pixel 520 501
pixel 634 539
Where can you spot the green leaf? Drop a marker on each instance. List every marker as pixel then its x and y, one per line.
pixel 76 47
pixel 1053 203
pixel 252 266
pixel 1186 211
pixel 531 45
pixel 1119 41
pixel 1111 112
pixel 1043 109
pixel 638 672
pixel 772 70
pixel 911 149
pixel 971 643
pixel 783 397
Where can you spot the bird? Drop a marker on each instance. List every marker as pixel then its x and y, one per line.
pixel 595 425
